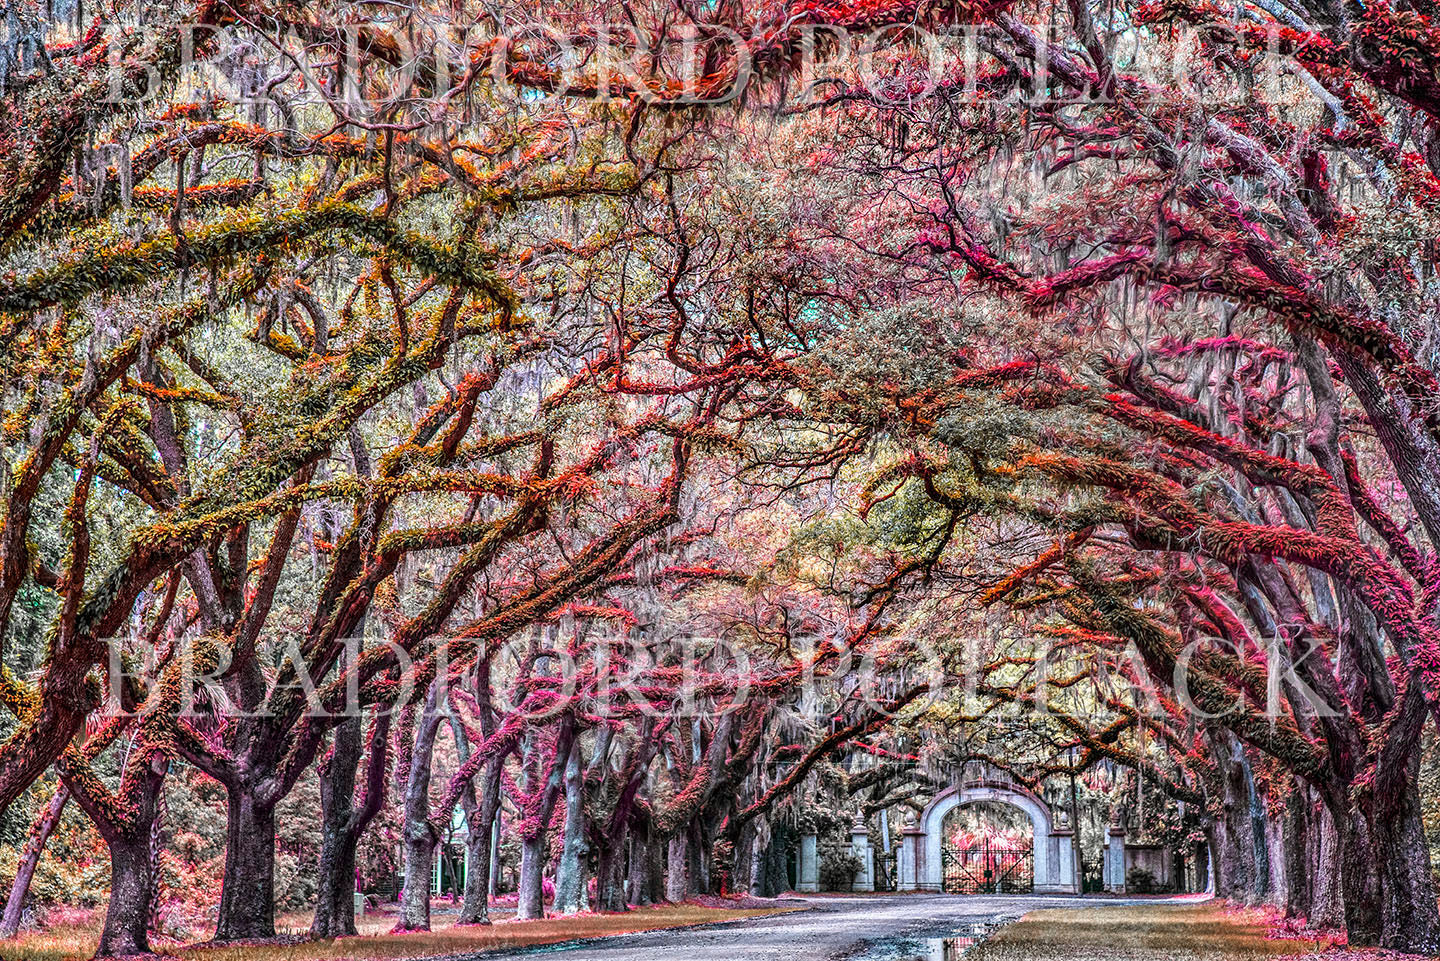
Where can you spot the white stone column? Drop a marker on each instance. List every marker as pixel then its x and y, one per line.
pixel 912 850
pixel 807 880
pixel 860 847
pixel 1040 862
pixel 1061 862
pixel 1115 860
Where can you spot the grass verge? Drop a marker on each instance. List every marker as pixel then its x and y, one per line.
pixel 76 942
pixel 1159 932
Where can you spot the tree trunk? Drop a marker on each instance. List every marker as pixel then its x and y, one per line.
pixel 1216 841
pixel 481 857
pixel 531 902
pixel 1233 880
pixel 1236 880
pixel 611 837
pixel 1298 840
pixel 610 893
pixel 759 841
pixel 419 859
pixel 610 873
pixel 570 885
pixel 1327 900
pixel 700 860
pixel 128 829
pixel 543 786
pixel 476 906
pixel 1260 870
pixel 495 835
pixel 641 862
pixel 1277 851
pixel 777 861
pixel 419 837
pixel 677 873
pixel 335 888
pixel 1388 891
pixel 1410 922
pixel 29 858
pixel 132 888
pixel 480 806
pixel 1360 879
pixel 655 869
pixel 479 852
pixel 247 895
pixel 743 867
pixel 343 822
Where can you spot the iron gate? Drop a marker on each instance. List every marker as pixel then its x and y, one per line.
pixel 986 869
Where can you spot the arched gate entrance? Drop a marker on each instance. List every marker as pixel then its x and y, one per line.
pixel 987 848
pixel 1047 868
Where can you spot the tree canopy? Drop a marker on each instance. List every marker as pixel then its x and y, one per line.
pixel 646 427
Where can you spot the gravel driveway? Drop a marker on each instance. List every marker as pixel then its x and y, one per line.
pixel 832 927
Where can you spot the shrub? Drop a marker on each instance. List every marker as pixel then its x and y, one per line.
pixel 1141 881
pixel 838 869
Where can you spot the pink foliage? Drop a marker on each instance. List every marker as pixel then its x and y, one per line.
pixel 989 835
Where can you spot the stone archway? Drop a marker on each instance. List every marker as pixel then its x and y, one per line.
pixel 921 860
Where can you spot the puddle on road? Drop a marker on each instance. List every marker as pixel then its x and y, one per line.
pixel 947 947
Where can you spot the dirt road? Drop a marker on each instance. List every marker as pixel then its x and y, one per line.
pixel 832 927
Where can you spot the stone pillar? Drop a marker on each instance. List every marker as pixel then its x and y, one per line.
pixel 912 850
pixel 860 847
pixel 807 875
pixel 1115 860
pixel 1062 863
